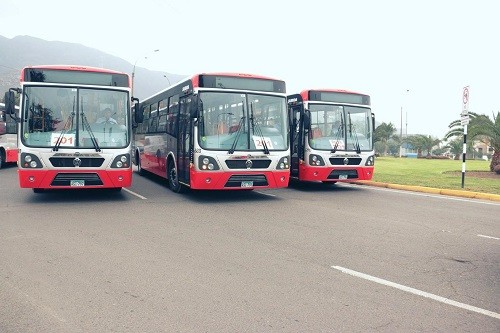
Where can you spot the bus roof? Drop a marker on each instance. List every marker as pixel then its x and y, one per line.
pixel 305 93
pixel 73 68
pixel 332 95
pixel 196 77
pixel 65 74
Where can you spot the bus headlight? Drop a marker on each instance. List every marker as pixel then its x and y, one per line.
pixel 370 161
pixel 121 161
pixel 207 163
pixel 30 161
pixel 283 163
pixel 316 160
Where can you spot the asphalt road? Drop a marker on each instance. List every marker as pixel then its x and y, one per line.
pixel 309 258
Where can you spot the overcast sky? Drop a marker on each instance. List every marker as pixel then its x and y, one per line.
pixel 411 55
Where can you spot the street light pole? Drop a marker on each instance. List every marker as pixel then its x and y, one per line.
pixel 401 134
pixel 133 70
pixel 401 127
pixel 166 77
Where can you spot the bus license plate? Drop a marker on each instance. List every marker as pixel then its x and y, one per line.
pixel 342 176
pixel 77 182
pixel 247 184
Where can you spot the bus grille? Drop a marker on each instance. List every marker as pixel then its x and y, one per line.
pixel 64 179
pixel 342 160
pixel 241 164
pixel 235 180
pixel 68 162
pixel 351 174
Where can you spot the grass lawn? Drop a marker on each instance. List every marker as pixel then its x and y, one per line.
pixel 443 174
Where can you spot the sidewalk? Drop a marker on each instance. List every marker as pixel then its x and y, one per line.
pixel 455 193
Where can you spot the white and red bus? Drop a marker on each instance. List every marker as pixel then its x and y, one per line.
pixel 331 136
pixel 64 138
pixel 8 137
pixel 218 131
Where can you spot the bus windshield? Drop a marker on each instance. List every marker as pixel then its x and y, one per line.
pixel 69 117
pixel 240 121
pixel 336 127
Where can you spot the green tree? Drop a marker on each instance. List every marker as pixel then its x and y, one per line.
pixel 456 147
pixel 422 143
pixel 383 133
pixel 482 128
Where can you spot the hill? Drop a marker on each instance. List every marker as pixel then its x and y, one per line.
pixel 23 51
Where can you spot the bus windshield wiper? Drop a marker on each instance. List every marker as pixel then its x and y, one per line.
pixel 340 131
pixel 256 129
pixel 65 128
pixel 238 133
pixel 352 128
pixel 86 126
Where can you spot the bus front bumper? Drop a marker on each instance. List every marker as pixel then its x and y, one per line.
pixel 71 179
pixel 335 174
pixel 215 180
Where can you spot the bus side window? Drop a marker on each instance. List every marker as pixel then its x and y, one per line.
pixel 153 118
pixel 173 109
pixel 162 115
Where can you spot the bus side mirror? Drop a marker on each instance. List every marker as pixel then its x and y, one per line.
pixel 196 108
pixel 373 127
pixel 10 102
pixel 307 119
pixel 138 114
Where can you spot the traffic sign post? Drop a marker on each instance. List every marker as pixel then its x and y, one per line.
pixel 465 121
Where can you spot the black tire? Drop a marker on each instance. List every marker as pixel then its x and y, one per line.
pixel 173 180
pixel 138 163
pixel 2 159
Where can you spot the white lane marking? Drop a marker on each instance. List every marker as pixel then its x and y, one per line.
pixel 137 195
pixel 268 194
pixel 418 292
pixel 489 237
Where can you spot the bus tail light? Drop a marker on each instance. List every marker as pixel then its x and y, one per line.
pixel 30 161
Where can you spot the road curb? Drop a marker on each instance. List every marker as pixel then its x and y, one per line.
pixel 454 193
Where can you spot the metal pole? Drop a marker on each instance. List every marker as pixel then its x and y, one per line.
pixel 133 71
pixel 401 134
pixel 464 154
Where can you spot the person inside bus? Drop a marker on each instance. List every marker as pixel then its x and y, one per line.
pixel 106 118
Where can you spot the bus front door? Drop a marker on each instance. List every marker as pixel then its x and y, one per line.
pixel 184 140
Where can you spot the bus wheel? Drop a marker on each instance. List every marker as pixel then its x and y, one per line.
pixel 173 179
pixel 138 163
pixel 2 159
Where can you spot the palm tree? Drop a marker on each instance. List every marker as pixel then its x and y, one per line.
pixel 456 147
pixel 383 133
pixel 422 143
pixel 481 128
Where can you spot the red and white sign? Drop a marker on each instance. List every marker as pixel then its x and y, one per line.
pixel 465 99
